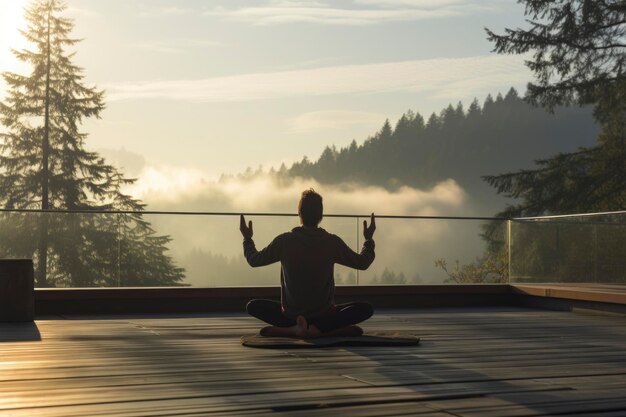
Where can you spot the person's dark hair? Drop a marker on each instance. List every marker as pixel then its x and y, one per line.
pixel 310 208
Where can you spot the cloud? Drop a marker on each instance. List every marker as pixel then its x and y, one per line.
pixel 421 4
pixel 169 187
pixel 177 47
pixel 455 78
pixel 333 119
pixel 380 11
pixel 81 12
pixel 169 11
pixel 166 183
pixel 204 43
pixel 160 47
pixel 130 163
pixel 402 245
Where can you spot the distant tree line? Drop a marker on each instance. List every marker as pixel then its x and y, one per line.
pixel 464 144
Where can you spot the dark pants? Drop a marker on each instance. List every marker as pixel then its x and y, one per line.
pixel 341 315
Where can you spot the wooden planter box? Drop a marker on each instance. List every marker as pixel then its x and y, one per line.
pixel 17 290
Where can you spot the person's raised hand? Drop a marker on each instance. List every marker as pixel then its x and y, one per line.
pixel 246 231
pixel 368 232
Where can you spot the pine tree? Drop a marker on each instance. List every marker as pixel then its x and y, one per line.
pixel 433 123
pixel 44 164
pixel 474 111
pixel 577 45
pixel 386 131
pixel 579 57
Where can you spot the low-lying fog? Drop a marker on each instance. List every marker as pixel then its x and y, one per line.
pixel 210 250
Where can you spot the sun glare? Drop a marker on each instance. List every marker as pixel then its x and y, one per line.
pixel 11 20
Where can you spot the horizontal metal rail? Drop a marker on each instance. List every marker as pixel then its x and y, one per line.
pixel 566 216
pixel 251 214
pixel 265 214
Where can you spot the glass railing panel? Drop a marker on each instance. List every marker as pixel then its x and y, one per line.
pixel 129 250
pixel 584 249
pixel 419 251
pixel 80 250
pixel 209 248
pixel 348 229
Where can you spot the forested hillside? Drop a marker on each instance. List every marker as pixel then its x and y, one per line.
pixel 502 135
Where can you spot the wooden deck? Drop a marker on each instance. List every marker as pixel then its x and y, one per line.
pixel 471 362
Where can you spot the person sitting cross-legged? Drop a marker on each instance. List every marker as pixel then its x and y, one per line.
pixel 307 255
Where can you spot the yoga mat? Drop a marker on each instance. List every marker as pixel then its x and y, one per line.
pixel 368 339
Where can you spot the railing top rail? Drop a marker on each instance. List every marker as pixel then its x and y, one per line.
pixel 258 214
pixel 566 216
pixel 267 214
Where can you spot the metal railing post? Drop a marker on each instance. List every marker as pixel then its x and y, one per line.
pixel 119 250
pixel 508 249
pixel 357 247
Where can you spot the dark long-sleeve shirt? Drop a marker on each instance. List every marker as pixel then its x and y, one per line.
pixel 307 256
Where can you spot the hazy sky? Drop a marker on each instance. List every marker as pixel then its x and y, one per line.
pixel 196 88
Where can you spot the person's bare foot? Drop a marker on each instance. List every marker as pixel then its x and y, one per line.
pixel 313 332
pixel 299 330
pixel 268 331
pixel 302 328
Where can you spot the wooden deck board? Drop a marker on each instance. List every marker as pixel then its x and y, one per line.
pixel 471 362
